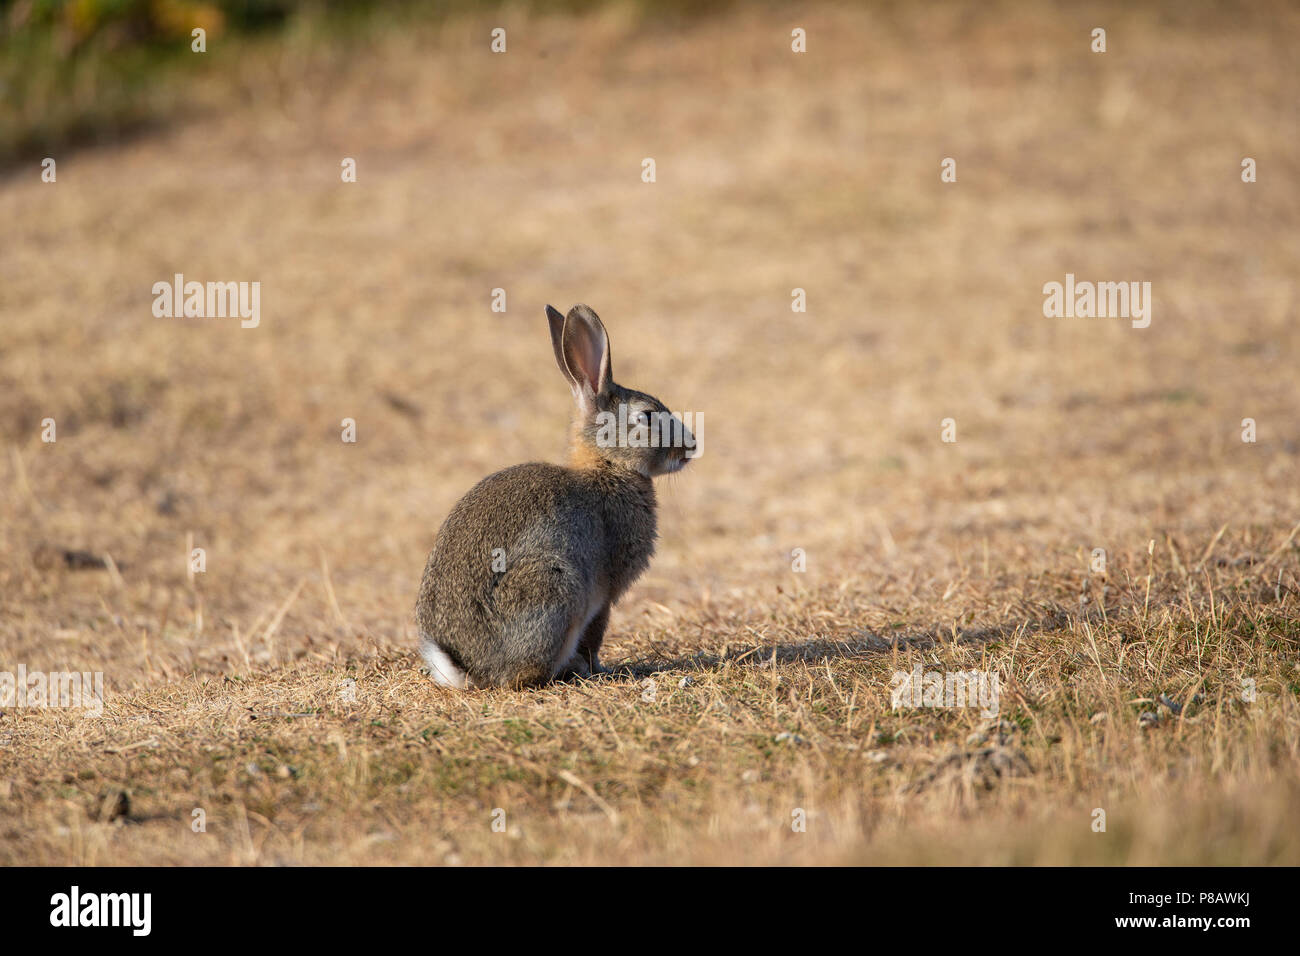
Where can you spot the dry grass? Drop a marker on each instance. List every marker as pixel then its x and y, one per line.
pixel 775 171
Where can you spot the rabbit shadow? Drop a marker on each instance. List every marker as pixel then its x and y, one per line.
pixel 858 645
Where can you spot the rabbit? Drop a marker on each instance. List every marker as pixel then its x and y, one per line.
pixel 518 588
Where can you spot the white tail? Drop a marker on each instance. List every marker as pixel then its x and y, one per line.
pixel 441 668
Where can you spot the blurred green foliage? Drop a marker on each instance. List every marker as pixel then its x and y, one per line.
pixel 72 26
pixel 76 72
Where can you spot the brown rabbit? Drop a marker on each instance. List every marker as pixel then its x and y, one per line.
pixel 519 584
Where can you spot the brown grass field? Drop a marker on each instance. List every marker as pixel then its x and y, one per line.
pixel 279 691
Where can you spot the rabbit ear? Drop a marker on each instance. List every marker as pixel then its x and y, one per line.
pixel 584 351
pixel 556 319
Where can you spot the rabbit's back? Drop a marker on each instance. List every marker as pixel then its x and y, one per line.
pixel 525 509
pixel 528 556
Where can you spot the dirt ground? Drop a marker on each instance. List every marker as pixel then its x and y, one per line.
pixel 270 709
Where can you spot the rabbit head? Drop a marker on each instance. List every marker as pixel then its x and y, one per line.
pixel 612 425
